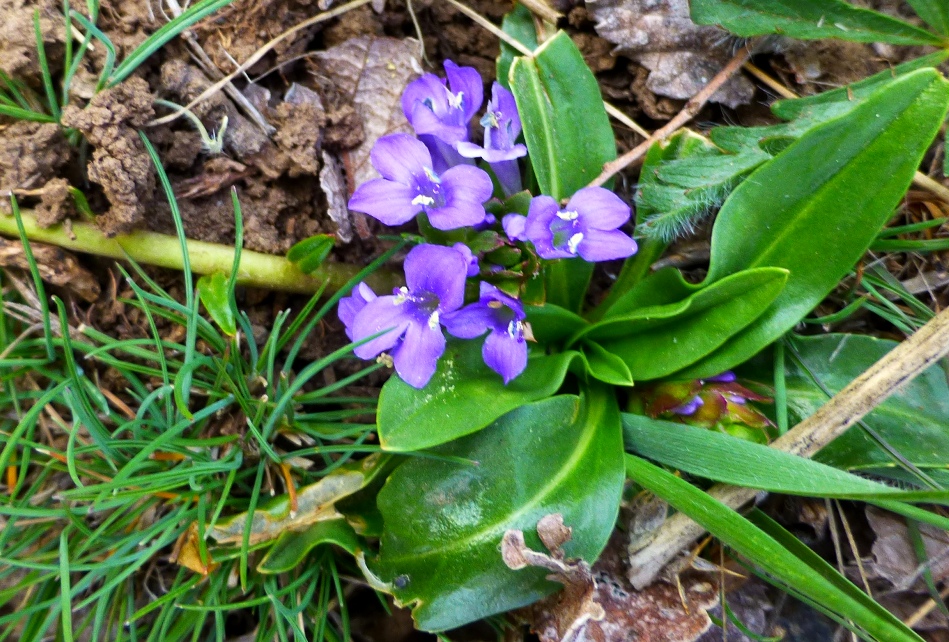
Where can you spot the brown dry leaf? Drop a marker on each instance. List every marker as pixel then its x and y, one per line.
pixel 373 72
pixel 894 558
pixel 334 186
pixel 598 604
pixel 186 552
pixel 56 266
pixel 680 55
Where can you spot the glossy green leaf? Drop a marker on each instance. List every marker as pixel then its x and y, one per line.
pixel 817 206
pixel 519 24
pixel 603 365
pixel 551 324
pixel 568 137
pixel 657 341
pixel 444 520
pixel 808 20
pixel 723 458
pixel 824 586
pixel 566 128
pixel 462 397
pixel 292 547
pixel 934 12
pixel 913 421
pixel 216 297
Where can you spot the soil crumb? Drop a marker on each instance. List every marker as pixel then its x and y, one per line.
pixel 31 154
pixel 55 203
pixel 119 163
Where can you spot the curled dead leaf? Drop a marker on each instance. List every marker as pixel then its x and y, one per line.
pixel 56 266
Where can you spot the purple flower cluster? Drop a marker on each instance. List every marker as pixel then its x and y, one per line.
pixel 408 323
pixel 434 173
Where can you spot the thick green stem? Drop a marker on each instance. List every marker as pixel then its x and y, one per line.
pixel 256 269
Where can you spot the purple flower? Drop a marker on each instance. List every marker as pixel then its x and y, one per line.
pixel 505 348
pixel 353 304
pixel 502 126
pixel 514 225
pixel 586 227
pixel 411 317
pixel 444 112
pixel 470 259
pixel 409 185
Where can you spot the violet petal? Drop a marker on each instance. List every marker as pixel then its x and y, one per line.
pixel 506 354
pixel 417 357
pixel 400 157
pixel 600 208
pixel 605 245
pixel 437 270
pixel 385 200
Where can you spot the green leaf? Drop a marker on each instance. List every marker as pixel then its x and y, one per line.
pixel 913 420
pixel 310 253
pixel 292 547
pixel 824 586
pixel 519 24
pixel 552 324
pixel 566 128
pixel 833 188
pixel 462 397
pixel 605 366
pixel 935 13
pixel 568 137
pixel 723 458
pixel 659 340
pixel 444 520
pixel 808 20
pixel 213 290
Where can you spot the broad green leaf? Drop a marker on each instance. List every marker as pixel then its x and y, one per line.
pixel 720 457
pixel 566 128
pixel 914 421
pixel 462 397
pixel 808 20
pixel 519 24
pixel 292 547
pixel 657 341
pixel 568 137
pixel 935 13
pixel 813 108
pixel 444 520
pixel 605 366
pixel 551 324
pixel 315 503
pixel 214 294
pixel 816 207
pixel 824 586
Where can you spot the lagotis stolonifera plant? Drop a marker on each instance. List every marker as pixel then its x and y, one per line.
pixel 435 175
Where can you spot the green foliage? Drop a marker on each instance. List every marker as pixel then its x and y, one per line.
pixel 568 137
pixel 462 397
pixel 811 20
pixel 310 253
pixel 807 199
pixel 518 23
pixel 444 519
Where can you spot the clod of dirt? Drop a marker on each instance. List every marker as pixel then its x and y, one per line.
pixel 119 163
pixel 680 55
pixel 18 54
pixel 31 154
pixel 55 265
pixel 299 123
pixel 56 204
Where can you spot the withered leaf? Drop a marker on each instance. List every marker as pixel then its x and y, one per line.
pixel 599 605
pixel 680 55
pixel 894 558
pixel 56 266
pixel 373 72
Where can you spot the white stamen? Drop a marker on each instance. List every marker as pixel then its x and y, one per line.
pixel 421 199
pixel 433 320
pixel 515 329
pixel 401 297
pixel 569 215
pixel 574 242
pixel 455 99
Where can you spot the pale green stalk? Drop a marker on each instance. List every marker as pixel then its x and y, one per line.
pixel 256 269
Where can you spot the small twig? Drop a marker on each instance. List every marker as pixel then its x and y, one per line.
pixel 256 56
pixel 688 112
pixel 901 365
pixel 924 610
